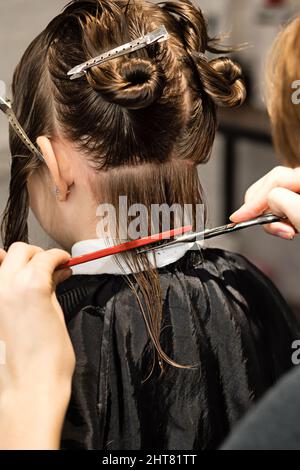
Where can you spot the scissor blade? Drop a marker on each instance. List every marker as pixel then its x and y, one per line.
pixel 218 231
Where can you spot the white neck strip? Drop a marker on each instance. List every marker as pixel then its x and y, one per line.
pixel 115 264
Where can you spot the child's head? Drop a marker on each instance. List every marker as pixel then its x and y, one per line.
pixel 284 94
pixel 136 126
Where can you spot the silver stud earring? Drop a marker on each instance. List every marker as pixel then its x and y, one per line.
pixel 57 192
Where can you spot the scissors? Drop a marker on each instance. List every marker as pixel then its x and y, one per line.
pixel 181 233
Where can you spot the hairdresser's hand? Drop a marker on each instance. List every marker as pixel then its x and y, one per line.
pixel 277 192
pixel 35 378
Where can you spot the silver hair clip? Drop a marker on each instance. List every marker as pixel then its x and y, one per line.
pixel 158 35
pixel 5 107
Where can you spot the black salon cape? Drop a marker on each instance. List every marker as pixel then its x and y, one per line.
pixel 220 313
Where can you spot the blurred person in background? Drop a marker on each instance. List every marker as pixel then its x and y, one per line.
pixel 275 422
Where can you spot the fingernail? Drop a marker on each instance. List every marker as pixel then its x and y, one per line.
pixel 67 273
pixel 286 235
pixel 236 213
pixel 242 211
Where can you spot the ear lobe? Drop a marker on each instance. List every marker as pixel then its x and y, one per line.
pixel 51 161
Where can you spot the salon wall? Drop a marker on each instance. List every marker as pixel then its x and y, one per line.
pixel 22 20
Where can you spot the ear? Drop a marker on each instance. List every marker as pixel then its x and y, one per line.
pixel 56 165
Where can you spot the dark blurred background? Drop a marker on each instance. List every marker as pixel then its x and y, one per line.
pixel 243 150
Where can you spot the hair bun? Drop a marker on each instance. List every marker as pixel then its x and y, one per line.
pixel 223 80
pixel 133 84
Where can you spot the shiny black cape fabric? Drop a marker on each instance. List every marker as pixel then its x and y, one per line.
pixel 220 313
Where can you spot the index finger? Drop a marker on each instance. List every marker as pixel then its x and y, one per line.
pixel 257 199
pixel 17 257
pixel 50 260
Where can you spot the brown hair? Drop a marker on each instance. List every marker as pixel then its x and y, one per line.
pixel 145 120
pixel 283 71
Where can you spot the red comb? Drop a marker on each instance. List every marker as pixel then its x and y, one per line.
pixel 114 250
